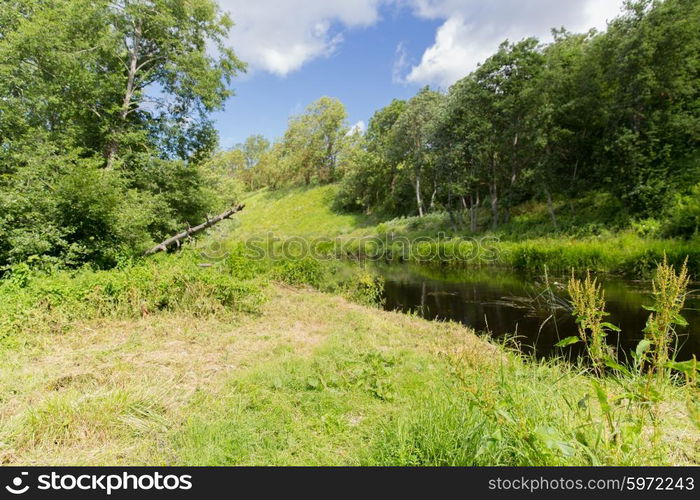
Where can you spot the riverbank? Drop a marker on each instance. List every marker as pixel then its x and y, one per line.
pixel 433 240
pixel 312 379
pixel 212 358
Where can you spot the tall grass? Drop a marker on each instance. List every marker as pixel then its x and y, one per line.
pixel 588 307
pixel 50 302
pixel 531 413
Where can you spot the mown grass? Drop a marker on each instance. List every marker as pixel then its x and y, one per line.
pixel 313 380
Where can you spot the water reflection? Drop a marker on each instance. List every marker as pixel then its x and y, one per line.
pixel 502 302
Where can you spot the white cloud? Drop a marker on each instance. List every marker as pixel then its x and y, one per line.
pixel 473 29
pixel 280 36
pixel 400 63
pixel 359 128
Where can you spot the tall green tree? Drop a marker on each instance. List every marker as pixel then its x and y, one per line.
pixel 410 142
pixel 649 77
pixel 314 140
pixel 372 182
pixel 115 91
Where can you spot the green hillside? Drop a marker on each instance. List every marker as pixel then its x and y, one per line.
pixel 297 212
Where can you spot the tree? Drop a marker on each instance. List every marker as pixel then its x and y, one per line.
pixel 649 73
pixel 409 141
pixel 372 181
pixel 119 86
pixel 560 112
pixel 611 112
pixel 253 149
pixel 314 140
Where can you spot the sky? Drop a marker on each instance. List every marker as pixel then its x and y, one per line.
pixel 368 52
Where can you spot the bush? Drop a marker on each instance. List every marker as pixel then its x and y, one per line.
pixel 36 302
pixel 684 215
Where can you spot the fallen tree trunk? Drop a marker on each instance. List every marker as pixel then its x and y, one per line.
pixel 162 247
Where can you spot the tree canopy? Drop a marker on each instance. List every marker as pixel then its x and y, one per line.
pixel 103 120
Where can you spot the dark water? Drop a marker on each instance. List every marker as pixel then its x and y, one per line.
pixel 503 303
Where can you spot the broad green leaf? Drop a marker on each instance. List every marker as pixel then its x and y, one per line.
pixel 610 326
pixel 643 346
pixel 567 342
pixel 687 367
pixel 602 396
pixel 679 320
pixel 611 363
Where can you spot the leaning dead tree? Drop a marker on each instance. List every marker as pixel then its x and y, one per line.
pixel 162 247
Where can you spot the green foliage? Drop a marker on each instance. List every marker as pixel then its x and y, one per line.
pixel 684 214
pixel 313 144
pixel 610 113
pixel 305 271
pixel 90 168
pixel 33 301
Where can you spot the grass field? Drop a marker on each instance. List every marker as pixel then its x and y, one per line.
pixel 312 379
pixel 297 212
pixel 241 362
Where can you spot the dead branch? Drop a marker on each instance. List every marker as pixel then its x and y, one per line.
pixel 162 247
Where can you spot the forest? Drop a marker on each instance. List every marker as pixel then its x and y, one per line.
pixel 613 114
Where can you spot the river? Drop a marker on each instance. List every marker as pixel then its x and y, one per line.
pixel 504 304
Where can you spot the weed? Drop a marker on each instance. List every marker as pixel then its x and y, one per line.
pixel 669 290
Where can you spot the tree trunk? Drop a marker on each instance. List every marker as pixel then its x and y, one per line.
pixel 419 200
pixel 162 247
pixel 494 204
pixel 493 191
pixel 450 211
pixel 550 208
pixel 134 54
pixel 474 212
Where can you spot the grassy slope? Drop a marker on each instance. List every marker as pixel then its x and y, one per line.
pixel 526 241
pixel 297 212
pixel 313 379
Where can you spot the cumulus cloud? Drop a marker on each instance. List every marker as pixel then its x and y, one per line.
pixel 473 29
pixel 359 128
pixel 281 36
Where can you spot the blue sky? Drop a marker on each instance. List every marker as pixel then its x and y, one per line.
pixel 367 52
